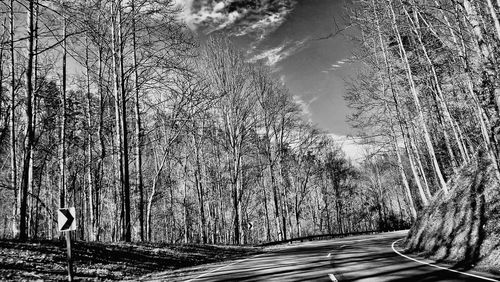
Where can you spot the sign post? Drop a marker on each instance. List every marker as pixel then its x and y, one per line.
pixel 66 223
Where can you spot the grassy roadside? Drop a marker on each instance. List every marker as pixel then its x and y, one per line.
pixel 46 260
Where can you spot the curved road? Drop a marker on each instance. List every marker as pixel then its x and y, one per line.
pixel 360 258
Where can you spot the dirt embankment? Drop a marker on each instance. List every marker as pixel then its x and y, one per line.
pixel 464 226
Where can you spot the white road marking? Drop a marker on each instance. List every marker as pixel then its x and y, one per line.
pixel 332 277
pixel 224 266
pixel 329 255
pixel 440 267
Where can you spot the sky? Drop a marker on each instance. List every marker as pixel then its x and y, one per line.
pixel 292 38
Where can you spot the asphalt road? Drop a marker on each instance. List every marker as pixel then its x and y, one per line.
pixel 360 258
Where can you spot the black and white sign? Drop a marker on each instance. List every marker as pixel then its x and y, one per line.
pixel 66 219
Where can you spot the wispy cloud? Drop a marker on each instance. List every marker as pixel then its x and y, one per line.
pixel 274 55
pixel 314 99
pixel 338 64
pixel 209 16
pixel 283 79
pixel 238 17
pixel 305 106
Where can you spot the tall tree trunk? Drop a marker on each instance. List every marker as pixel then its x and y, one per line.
pixel 62 140
pixel 100 170
pixel 124 128
pixel 13 166
pixel 402 123
pixel 484 122
pixel 159 169
pixel 138 128
pixel 236 197
pixel 488 63
pixel 416 100
pixel 116 94
pixel 29 130
pixel 402 172
pixel 184 206
pixel 274 189
pixel 268 224
pixel 198 174
pixel 412 136
pixel 90 161
pixel 34 104
pixel 439 96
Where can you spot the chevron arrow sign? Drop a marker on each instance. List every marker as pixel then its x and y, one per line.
pixel 66 219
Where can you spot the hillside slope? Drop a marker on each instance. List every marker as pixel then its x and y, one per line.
pixel 463 227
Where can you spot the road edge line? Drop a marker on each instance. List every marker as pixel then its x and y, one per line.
pixel 333 278
pixel 219 268
pixel 440 267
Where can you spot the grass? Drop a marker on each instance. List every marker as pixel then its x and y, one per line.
pixel 93 261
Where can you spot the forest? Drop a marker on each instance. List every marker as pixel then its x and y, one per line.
pixel 155 133
pixel 428 89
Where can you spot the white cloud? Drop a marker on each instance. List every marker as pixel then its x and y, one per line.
pixel 187 12
pixel 235 16
pixel 283 79
pixel 304 106
pixel 264 26
pixel 219 6
pixel 273 55
pixel 314 99
pixel 351 146
pixel 278 54
pixel 337 65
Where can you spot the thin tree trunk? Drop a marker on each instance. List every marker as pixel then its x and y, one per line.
pixel 268 224
pixel 185 209
pixel 62 148
pixel 29 130
pixel 198 174
pixel 401 120
pixel 159 169
pixel 489 67
pixel 412 137
pixel 402 172
pixel 102 147
pixel 430 146
pixel 440 99
pixel 13 166
pixel 124 130
pixel 90 192
pixel 34 103
pixel 138 128
pixel 116 85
